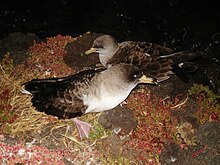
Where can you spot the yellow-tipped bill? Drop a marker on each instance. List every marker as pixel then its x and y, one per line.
pixel 92 50
pixel 147 80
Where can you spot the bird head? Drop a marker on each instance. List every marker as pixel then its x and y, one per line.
pixel 104 45
pixel 134 74
pixel 129 74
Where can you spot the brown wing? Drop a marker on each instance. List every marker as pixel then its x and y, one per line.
pixel 145 55
pixel 65 103
pixel 61 97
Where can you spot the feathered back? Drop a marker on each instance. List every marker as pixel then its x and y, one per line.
pixel 49 94
pixel 156 61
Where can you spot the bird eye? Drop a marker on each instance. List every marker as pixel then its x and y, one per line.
pixel 99 46
pixel 135 75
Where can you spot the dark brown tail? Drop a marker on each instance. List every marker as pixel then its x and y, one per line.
pixel 183 63
pixel 179 63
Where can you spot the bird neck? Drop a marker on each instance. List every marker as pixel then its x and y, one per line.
pixel 105 57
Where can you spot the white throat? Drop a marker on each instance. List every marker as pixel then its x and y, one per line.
pixel 105 56
pixel 109 96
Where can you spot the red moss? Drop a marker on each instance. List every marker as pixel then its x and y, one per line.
pixel 155 127
pixel 6 113
pixel 46 59
pixel 208 109
pixel 18 153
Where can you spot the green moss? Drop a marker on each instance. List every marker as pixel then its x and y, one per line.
pixel 199 88
pixel 98 132
pixel 119 161
pixel 122 161
pixel 207 108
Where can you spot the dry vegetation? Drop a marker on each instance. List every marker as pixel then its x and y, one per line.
pixel 42 138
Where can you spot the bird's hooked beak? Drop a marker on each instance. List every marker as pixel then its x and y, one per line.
pixel 91 50
pixel 147 80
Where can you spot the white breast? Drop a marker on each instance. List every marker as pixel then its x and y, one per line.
pixel 105 100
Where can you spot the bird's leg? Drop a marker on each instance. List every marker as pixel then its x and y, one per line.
pixel 83 128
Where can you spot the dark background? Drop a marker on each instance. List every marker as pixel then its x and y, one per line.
pixel 183 23
pixel 180 24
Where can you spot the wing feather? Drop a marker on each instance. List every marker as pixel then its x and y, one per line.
pixel 61 97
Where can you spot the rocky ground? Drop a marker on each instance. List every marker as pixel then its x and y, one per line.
pixel 173 123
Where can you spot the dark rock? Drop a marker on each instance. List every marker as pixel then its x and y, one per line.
pixel 171 87
pixel 209 134
pixel 17 44
pixel 206 152
pixel 119 119
pixel 74 59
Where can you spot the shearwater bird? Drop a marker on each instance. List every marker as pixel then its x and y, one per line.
pixel 154 60
pixel 85 92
